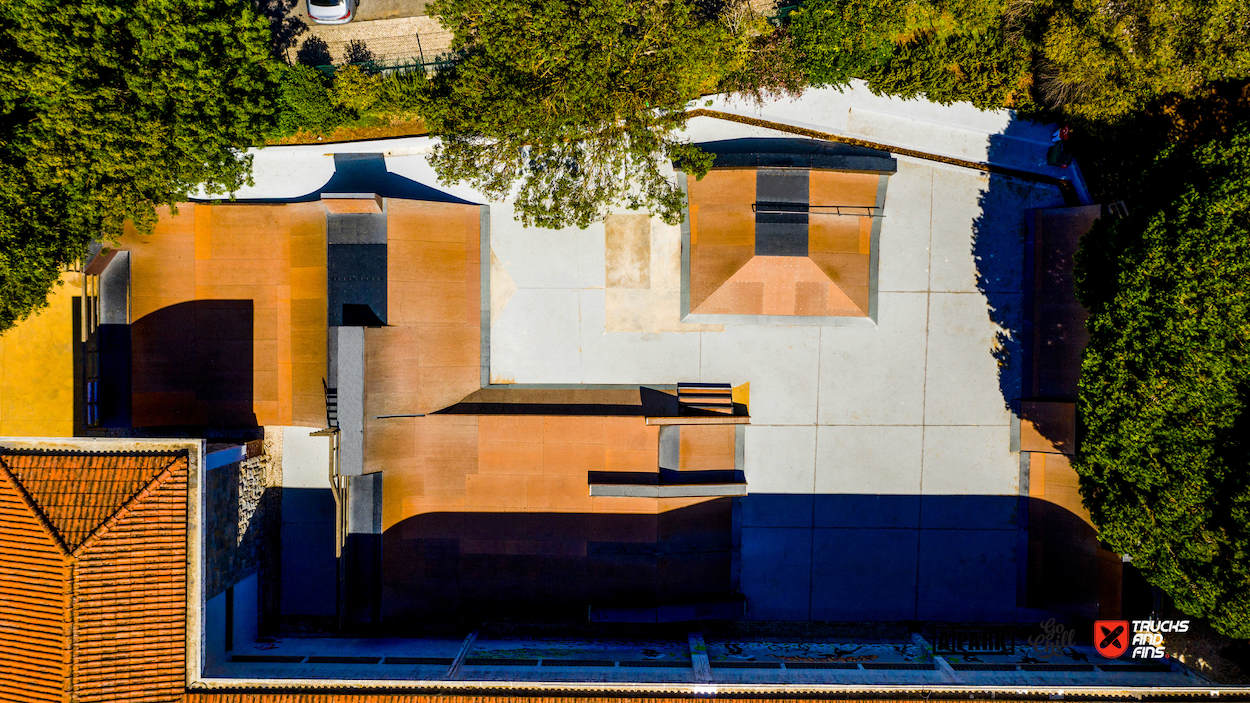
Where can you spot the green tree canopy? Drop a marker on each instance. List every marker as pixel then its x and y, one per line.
pixel 1165 382
pixel 1095 59
pixel 1103 60
pixel 943 51
pixel 109 109
pixel 575 100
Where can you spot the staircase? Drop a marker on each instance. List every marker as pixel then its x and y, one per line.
pixel 711 397
pixel 332 405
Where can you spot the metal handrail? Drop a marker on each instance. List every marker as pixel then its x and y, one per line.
pixel 843 210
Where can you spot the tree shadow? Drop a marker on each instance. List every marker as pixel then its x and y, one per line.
pixel 314 52
pixel 286 26
pixel 1002 249
pixel 357 52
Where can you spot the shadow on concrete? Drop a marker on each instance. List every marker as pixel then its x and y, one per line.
pixel 308 566
pixel 191 364
pixel 367 173
pixel 761 152
pixel 1002 249
pixel 554 565
pixel 832 557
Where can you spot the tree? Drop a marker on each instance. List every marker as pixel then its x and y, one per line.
pixel 942 51
pixel 1164 399
pixel 574 100
pixel 110 109
pixel 1104 60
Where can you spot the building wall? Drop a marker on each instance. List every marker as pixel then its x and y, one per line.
pixel 236 518
pixel 34 597
pixel 37 369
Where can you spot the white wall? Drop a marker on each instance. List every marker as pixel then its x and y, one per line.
pixel 246 606
pixel 305 460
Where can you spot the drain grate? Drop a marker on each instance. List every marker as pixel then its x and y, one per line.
pixel 439 661
pixel 487 661
pixel 267 658
pixel 344 660
pixel 745 665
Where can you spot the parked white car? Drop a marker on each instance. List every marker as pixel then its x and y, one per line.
pixel 331 11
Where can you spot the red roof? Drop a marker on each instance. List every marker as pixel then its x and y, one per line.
pixel 93 575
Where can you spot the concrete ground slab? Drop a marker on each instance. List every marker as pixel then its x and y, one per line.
pixel 629 357
pixel 780 459
pixel 957 194
pixel 967 576
pixel 872 459
pixel 776 572
pixel 905 228
pixel 969 460
pixel 779 362
pixel 876 376
pixel 962 384
pixel 860 574
pixel 537 318
pixel 526 251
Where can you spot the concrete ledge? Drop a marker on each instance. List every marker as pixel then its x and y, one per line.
pixel 352 203
pixel 684 491
pixel 701 420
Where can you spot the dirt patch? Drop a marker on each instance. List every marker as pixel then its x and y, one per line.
pixel 401 128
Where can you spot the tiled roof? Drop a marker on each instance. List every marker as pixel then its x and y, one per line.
pixel 78 492
pixel 34 602
pixel 93 576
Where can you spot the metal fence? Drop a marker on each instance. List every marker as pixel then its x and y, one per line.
pixel 386 67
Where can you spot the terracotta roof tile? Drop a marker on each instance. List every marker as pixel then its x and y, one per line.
pixel 78 492
pixel 123 518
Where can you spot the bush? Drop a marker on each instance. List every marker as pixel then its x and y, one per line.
pixel 400 92
pixel 983 69
pixel 1165 380
pixel 354 89
pixel 307 102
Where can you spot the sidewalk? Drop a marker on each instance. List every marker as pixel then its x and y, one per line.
pixel 402 39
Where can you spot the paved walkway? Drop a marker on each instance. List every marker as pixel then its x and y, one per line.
pixel 387 40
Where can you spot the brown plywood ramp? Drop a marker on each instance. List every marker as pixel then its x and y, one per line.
pixel 228 316
pixel 429 357
pixel 1059 335
pixel 1068 569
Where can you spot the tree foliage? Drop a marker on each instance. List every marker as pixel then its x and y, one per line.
pixel 110 109
pixel 1103 59
pixel 574 100
pixel 945 52
pixel 1165 382
pixel 1095 59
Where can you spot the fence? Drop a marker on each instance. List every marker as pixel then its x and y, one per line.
pixel 386 67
